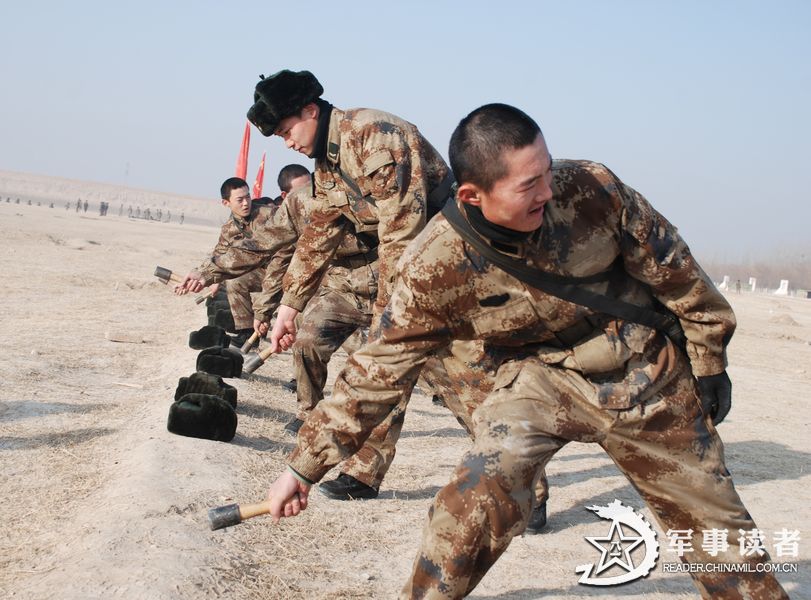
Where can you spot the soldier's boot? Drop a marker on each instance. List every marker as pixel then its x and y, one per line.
pixel 537 520
pixel 346 487
pixel 293 426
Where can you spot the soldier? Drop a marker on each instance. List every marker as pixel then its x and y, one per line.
pixel 85 206
pixel 238 230
pixel 566 372
pixel 290 176
pixel 373 170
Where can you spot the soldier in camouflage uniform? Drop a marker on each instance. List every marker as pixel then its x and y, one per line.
pixel 246 217
pixel 342 305
pixel 564 372
pixel 373 170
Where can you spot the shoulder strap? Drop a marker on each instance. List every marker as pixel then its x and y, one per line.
pixel 566 288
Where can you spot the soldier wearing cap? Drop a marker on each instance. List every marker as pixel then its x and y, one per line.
pixel 374 172
pixel 565 371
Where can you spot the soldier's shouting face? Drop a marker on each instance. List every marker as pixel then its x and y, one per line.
pixel 298 131
pixel 517 200
pixel 239 202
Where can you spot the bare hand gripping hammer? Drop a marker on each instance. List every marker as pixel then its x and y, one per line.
pixel 234 514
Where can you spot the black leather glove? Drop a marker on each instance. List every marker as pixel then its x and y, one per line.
pixel 716 395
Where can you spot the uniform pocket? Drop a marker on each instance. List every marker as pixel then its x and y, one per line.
pixel 512 316
pixel 336 198
pixel 506 374
pixel 602 353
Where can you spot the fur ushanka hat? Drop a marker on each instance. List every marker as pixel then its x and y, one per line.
pixel 282 95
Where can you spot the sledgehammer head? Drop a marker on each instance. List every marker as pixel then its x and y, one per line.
pixel 166 275
pixel 224 516
pixel 254 361
pixel 234 514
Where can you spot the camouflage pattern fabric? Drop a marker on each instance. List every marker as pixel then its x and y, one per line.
pixel 343 305
pixel 667 448
pixel 394 168
pixel 238 249
pixel 619 384
pixel 239 292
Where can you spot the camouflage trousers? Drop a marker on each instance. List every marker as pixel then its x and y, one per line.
pixel 342 307
pixel 462 375
pixel 239 296
pixel 666 447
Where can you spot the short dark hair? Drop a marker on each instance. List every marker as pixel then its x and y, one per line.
pixel 231 184
pixel 479 140
pixel 288 174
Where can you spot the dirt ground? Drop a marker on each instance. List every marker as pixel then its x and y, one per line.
pixel 100 500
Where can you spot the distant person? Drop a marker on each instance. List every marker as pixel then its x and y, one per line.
pixel 85 206
pixel 67 205
pixel 737 286
pixel 181 217
pixel 168 216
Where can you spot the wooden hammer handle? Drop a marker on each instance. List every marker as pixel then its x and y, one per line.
pixel 249 342
pixel 202 297
pixel 248 511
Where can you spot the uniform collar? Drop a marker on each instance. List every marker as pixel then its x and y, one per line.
pixel 334 136
pixel 243 223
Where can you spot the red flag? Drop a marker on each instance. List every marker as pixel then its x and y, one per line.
pixel 260 179
pixel 242 157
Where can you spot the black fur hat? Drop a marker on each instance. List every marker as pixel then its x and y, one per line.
pixel 203 416
pixel 281 95
pixel 206 383
pixel 207 336
pixel 224 362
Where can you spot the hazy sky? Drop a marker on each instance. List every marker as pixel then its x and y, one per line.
pixel 702 106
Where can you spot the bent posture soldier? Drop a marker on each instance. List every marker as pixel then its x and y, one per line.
pixel 377 172
pixel 566 372
pixel 342 305
pixel 240 230
pixel 373 170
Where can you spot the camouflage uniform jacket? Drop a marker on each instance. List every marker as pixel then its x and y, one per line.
pixel 237 237
pixel 270 240
pixel 394 168
pixel 446 290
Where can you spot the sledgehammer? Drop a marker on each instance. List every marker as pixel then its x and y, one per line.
pixel 249 343
pixel 234 514
pixel 255 361
pixel 165 275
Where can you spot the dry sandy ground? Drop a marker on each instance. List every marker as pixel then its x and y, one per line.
pixel 99 500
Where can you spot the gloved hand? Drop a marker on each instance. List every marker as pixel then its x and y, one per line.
pixel 716 395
